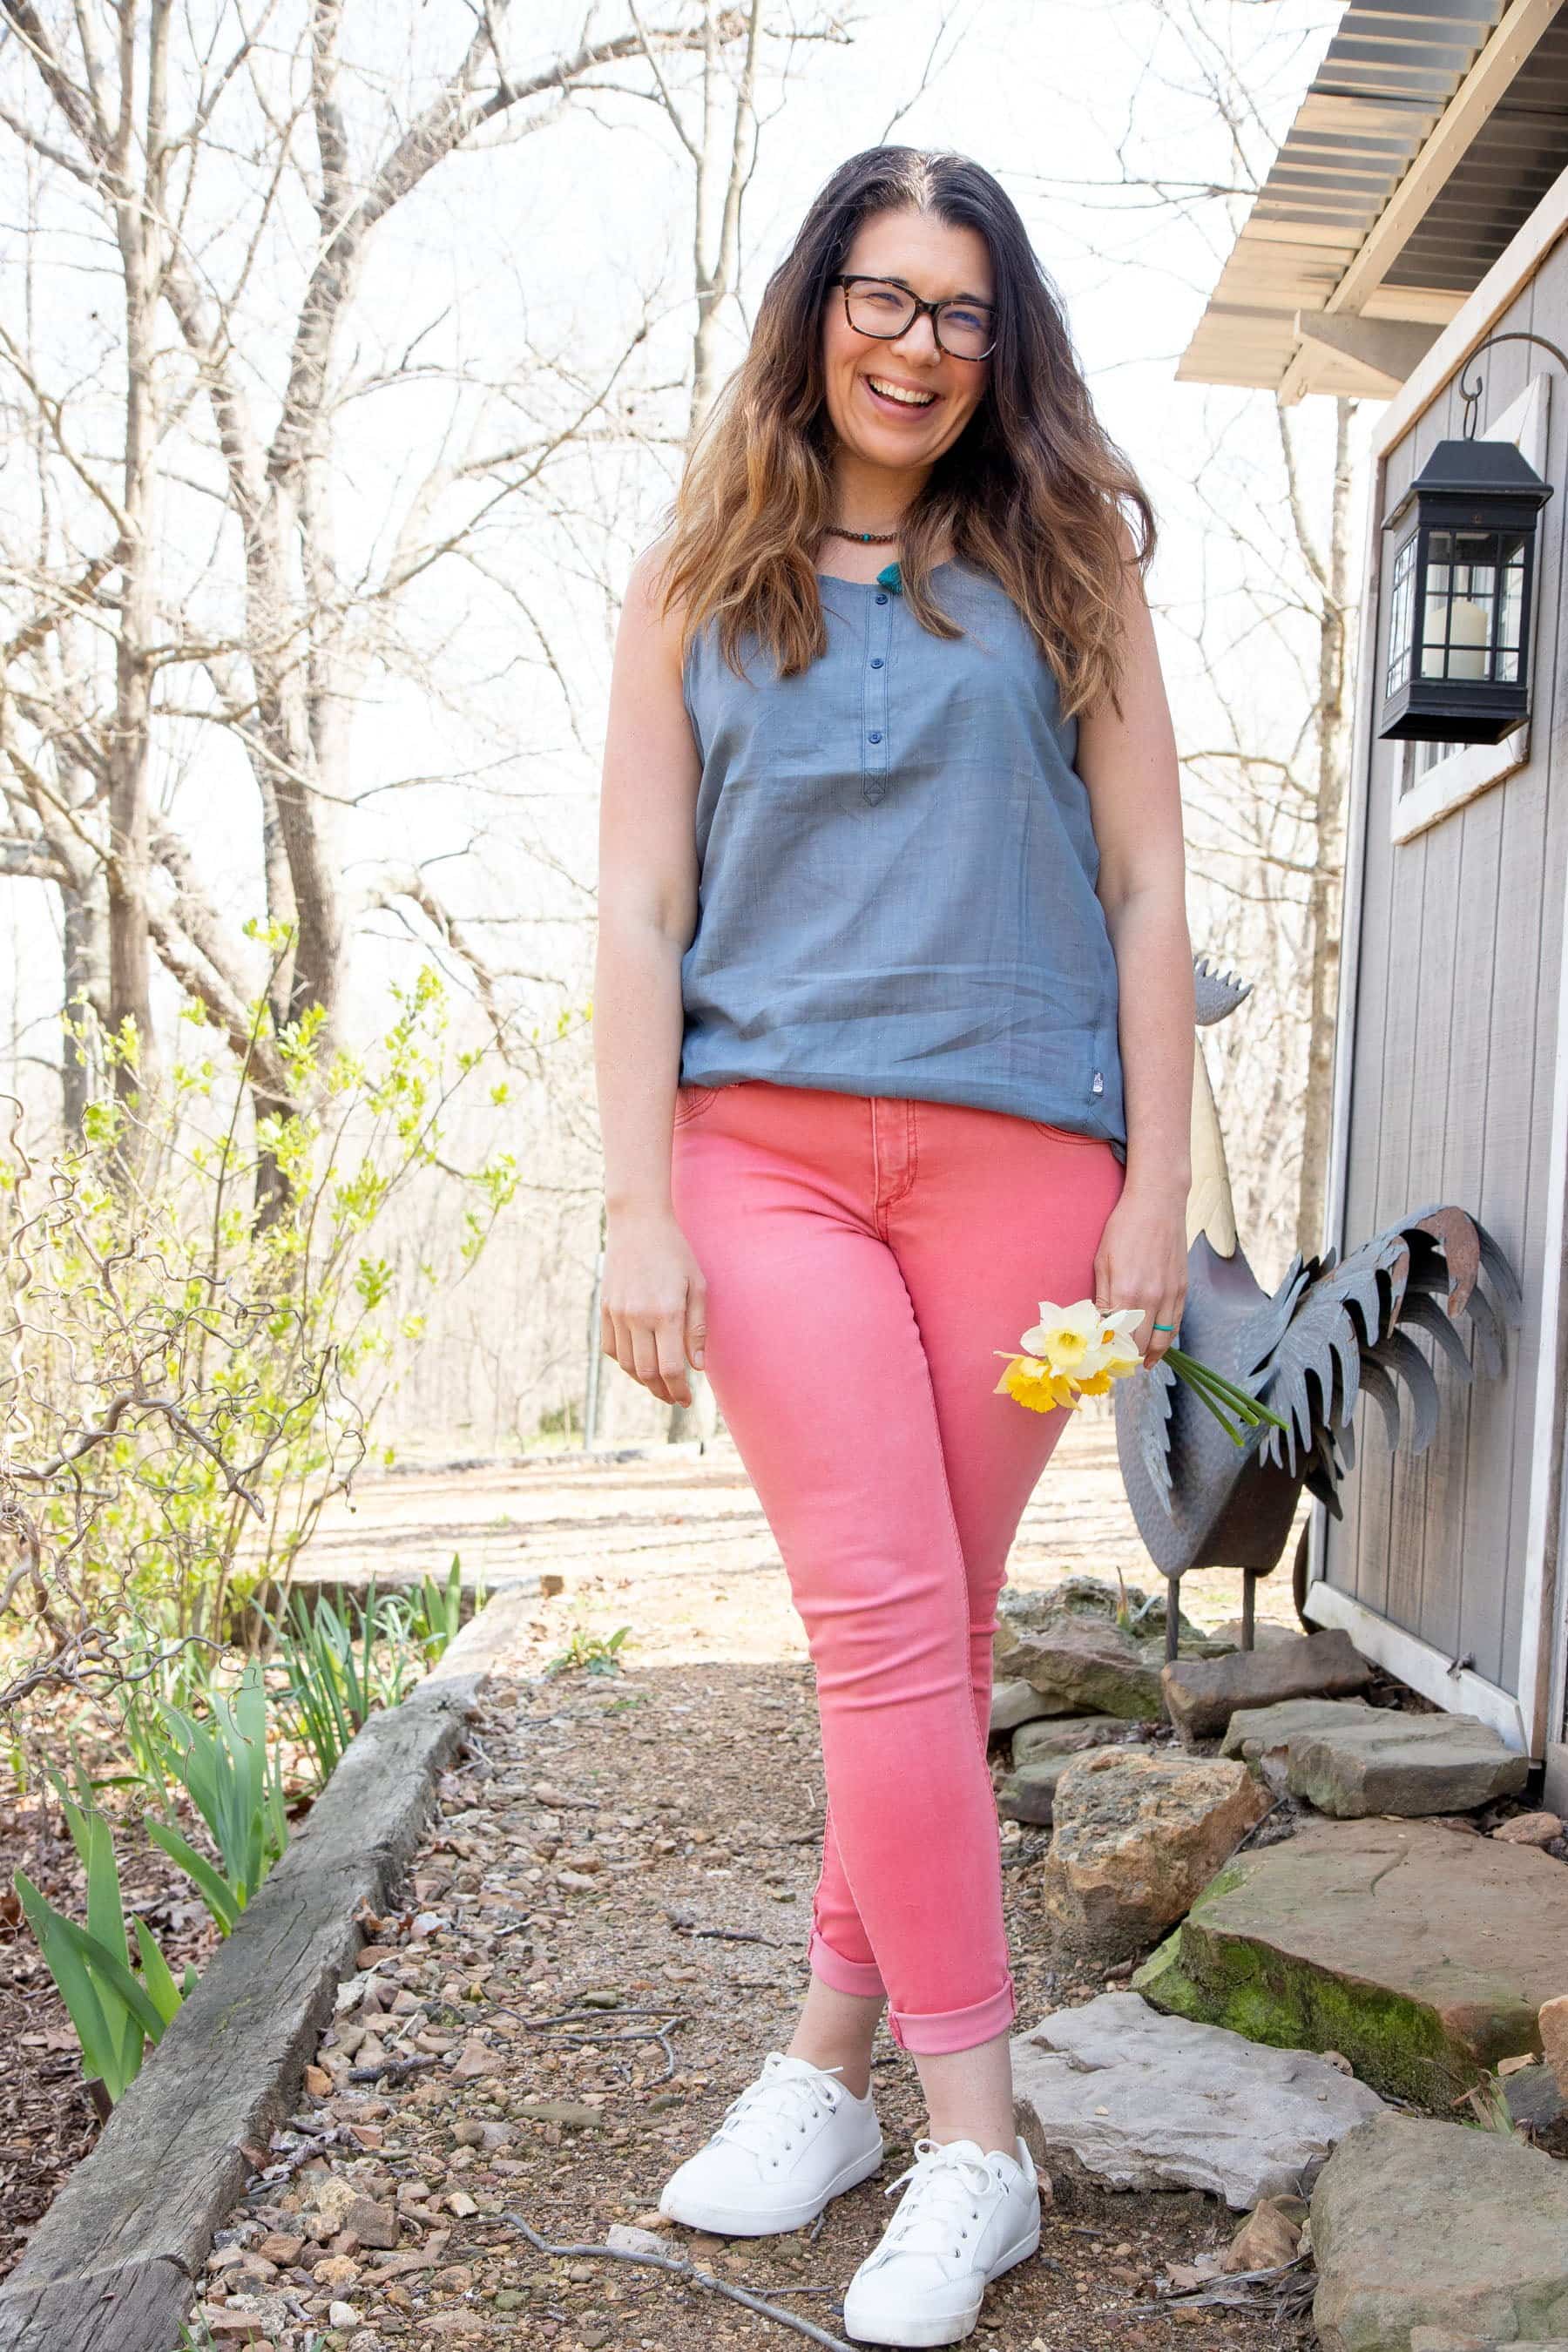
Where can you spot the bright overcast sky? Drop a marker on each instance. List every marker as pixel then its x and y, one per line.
pixel 556 239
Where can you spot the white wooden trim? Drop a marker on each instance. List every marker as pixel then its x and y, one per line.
pixel 1518 261
pixel 1472 769
pixel 1502 58
pixel 1544 1526
pixel 1417 1663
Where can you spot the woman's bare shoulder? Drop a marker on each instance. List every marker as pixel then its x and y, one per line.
pixel 655 615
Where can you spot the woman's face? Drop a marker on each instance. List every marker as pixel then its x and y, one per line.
pixel 865 374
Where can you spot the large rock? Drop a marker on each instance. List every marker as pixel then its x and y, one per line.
pixel 1417 2223
pixel 1554 2023
pixel 1139 1831
pixel 1201 1695
pixel 1139 2101
pixel 1423 1957
pixel 1082 1668
pixel 1350 1760
pixel 1068 1646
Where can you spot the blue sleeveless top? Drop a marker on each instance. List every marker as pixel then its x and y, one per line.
pixel 897 868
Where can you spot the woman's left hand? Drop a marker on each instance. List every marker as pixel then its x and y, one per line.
pixel 1142 1261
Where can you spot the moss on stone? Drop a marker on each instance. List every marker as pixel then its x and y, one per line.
pixel 1395 2044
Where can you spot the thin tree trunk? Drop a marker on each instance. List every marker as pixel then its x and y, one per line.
pixel 1323 903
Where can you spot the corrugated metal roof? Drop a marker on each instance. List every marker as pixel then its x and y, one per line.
pixel 1389 72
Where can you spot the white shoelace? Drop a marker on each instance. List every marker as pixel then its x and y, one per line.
pixel 939 2210
pixel 771 2114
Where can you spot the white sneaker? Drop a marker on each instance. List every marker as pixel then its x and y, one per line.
pixel 966 2218
pixel 794 2138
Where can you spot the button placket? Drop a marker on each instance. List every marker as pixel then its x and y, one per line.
pixel 874 730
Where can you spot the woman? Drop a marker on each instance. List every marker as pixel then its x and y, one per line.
pixel 894 1035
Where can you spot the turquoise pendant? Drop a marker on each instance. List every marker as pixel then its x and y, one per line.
pixel 892 578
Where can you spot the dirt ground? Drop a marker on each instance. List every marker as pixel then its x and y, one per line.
pixel 605 1931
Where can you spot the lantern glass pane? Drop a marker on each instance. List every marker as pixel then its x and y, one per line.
pixel 1511 621
pixel 1401 617
pixel 1461 608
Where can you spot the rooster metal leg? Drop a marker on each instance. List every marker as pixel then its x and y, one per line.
pixel 1172 1614
pixel 1248 1605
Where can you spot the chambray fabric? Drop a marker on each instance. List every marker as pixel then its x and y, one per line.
pixel 897 868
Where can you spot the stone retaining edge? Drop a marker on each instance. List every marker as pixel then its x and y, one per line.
pixel 114 2264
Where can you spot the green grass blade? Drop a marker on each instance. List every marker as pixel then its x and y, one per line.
pixel 72 1982
pixel 116 1979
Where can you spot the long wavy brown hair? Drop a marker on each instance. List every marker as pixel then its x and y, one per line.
pixel 1032 491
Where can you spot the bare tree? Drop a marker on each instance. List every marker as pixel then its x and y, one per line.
pixel 1266 790
pixel 208 153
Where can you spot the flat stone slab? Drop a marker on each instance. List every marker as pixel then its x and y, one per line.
pixel 1115 2091
pixel 1425 1958
pixel 1013 1703
pixel 1041 1752
pixel 1442 2340
pixel 1201 1695
pixel 1067 1734
pixel 1254 1730
pixel 1139 1833
pixel 1418 2224
pixel 1350 1760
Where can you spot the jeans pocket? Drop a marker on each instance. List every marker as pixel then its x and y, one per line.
pixel 690 1102
pixel 1063 1134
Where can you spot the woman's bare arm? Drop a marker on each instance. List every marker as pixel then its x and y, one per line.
pixel 647 912
pixel 1131 768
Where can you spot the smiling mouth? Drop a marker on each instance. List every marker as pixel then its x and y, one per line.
pixel 892 395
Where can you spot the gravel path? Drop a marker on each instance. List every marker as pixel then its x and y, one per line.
pixel 604 1933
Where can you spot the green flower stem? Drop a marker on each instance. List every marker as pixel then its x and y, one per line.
pixel 1203 1376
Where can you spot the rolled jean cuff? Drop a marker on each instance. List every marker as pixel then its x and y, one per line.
pixel 860 1976
pixel 938 2032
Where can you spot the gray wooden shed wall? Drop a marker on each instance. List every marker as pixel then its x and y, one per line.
pixel 1451 1084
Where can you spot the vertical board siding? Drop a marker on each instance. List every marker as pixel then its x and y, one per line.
pixel 1450 1092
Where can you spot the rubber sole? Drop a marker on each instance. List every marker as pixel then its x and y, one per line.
pixel 735 2221
pixel 947 2328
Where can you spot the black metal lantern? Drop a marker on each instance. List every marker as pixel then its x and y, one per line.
pixel 1458 668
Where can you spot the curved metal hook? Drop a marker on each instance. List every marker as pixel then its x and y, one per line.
pixel 1512 335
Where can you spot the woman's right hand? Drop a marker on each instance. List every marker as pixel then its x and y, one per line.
pixel 653 1308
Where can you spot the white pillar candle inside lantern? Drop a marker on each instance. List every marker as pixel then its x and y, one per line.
pixel 1469 633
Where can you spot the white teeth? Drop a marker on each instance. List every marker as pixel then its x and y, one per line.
pixel 896 392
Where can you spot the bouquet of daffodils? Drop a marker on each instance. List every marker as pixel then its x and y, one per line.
pixel 1076 1351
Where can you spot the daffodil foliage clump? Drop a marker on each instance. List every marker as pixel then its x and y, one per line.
pixel 203 1305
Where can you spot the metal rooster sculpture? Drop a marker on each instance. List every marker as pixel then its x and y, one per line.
pixel 1332 1329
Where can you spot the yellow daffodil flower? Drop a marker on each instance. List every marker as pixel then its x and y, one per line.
pixel 1031 1381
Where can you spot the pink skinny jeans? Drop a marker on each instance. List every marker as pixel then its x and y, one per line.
pixel 864 1255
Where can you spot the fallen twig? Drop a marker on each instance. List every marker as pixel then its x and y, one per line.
pixel 396 2069
pixel 670 2009
pixel 1294 2284
pixel 729 1935
pixel 268 2180
pixel 687 2276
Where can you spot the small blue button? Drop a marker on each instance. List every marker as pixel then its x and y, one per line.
pixel 881 600
pixel 876 661
pixel 875 736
